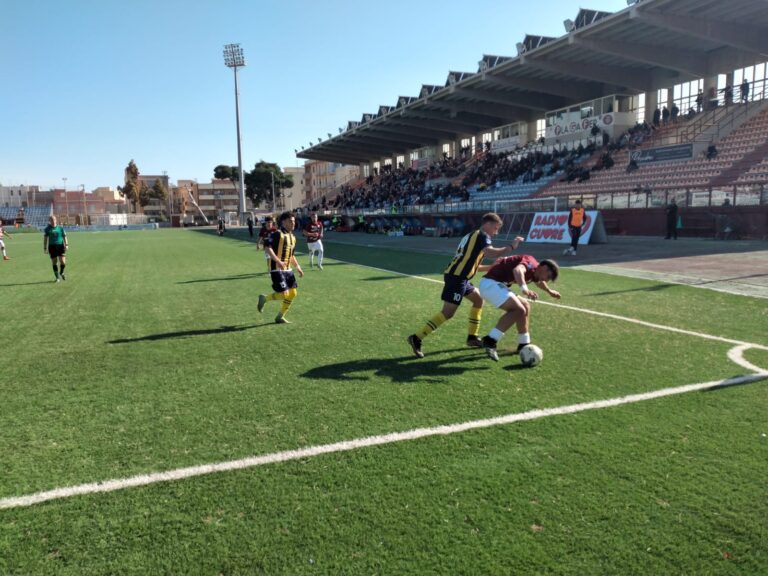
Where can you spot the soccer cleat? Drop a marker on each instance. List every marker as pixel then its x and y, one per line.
pixel 262 302
pixel 490 348
pixel 62 276
pixel 320 266
pixel 6 258
pixel 57 279
pixel 280 319
pixel 415 343
pixel 474 342
pixel 520 347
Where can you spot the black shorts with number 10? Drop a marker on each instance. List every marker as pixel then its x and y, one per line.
pixel 283 280
pixel 455 289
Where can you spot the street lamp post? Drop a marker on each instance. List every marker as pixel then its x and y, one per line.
pixel 85 206
pixel 66 198
pixel 234 58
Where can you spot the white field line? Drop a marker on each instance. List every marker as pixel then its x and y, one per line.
pixel 593 312
pixel 345 446
pixel 735 354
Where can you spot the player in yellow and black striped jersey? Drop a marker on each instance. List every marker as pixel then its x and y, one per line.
pixel 280 246
pixel 457 286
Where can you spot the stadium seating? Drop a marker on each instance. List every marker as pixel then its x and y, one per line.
pixel 747 144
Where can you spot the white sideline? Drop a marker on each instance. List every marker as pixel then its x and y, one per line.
pixel 345 446
pixel 587 311
pixel 734 354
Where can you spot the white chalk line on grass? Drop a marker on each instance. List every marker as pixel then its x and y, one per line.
pixel 735 354
pixel 592 312
pixel 348 445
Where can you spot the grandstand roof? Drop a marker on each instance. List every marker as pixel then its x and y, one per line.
pixel 650 45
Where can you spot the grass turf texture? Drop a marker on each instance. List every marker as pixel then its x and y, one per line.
pixel 152 357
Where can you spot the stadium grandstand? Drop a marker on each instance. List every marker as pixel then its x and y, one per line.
pixel 664 100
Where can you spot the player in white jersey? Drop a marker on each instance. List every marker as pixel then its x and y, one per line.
pixel 3 234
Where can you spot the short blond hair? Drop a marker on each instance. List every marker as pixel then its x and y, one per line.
pixel 492 217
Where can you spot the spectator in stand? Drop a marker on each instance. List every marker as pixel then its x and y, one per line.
pixel 671 220
pixel 745 90
pixel 699 101
pixel 665 115
pixel 711 152
pixel 675 112
pixel 632 166
pixel 656 117
pixel 728 94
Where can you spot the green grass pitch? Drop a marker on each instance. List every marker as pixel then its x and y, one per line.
pixel 152 357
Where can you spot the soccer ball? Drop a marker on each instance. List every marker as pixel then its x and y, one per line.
pixel 531 355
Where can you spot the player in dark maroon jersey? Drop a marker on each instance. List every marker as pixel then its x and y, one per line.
pixel 494 287
pixel 313 232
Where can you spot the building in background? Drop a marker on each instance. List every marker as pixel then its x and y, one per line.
pixel 294 197
pixel 18 196
pixel 323 179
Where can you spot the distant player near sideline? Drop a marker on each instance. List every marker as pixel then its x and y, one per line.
pixel 55 244
pixel 457 286
pixel 3 234
pixel 576 221
pixel 494 287
pixel 313 231
pixel 280 246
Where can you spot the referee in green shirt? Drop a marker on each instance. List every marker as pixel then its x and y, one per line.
pixel 55 244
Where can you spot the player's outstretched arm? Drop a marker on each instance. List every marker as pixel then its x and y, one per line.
pixel 554 293
pixel 493 252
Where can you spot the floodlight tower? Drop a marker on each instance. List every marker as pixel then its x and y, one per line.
pixel 233 58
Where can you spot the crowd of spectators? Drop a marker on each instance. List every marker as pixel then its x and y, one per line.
pixel 395 188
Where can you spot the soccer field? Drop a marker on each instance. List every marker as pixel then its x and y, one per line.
pixel 152 358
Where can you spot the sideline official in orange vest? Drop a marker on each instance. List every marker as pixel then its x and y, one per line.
pixel 576 221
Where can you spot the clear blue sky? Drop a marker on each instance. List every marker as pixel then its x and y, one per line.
pixel 88 85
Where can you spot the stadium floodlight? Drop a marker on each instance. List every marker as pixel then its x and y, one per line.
pixel 569 25
pixel 329 136
pixel 520 48
pixel 234 58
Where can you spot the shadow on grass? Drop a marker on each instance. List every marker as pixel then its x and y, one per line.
pixel 223 279
pixel 378 278
pixel 27 283
pixel 655 288
pixel 189 333
pixel 405 369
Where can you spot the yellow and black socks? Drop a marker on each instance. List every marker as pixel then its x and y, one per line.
pixel 474 321
pixel 432 324
pixel 287 300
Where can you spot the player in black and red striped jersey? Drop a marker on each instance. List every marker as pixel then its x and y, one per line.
pixel 494 288
pixel 313 232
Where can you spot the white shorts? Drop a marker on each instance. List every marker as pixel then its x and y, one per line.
pixel 315 246
pixel 495 292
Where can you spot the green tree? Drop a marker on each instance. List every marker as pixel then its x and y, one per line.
pixel 258 182
pixel 132 188
pixel 158 190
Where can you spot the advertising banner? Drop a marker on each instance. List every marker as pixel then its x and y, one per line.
pixel 552 227
pixel 678 153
